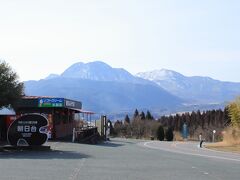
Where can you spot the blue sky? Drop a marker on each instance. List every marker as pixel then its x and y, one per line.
pixel 192 37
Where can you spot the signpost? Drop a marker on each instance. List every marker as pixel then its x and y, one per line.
pixel 28 130
pixel 185 131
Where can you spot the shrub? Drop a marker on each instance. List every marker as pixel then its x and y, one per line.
pixel 160 133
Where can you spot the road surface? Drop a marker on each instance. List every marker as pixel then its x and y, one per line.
pixel 120 159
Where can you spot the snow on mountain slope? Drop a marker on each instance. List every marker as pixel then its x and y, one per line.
pixel 100 71
pixel 196 88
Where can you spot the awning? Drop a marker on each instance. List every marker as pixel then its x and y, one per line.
pixel 7 112
pixel 87 112
pixel 82 111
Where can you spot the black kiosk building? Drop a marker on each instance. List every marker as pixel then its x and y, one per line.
pixel 62 114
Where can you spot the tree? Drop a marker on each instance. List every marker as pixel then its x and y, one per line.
pixel 10 88
pixel 118 128
pixel 142 116
pixel 136 114
pixel 169 134
pixel 160 133
pixel 149 116
pixel 127 120
pixel 234 112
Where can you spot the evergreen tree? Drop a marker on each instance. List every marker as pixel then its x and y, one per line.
pixel 149 116
pixel 136 114
pixel 169 134
pixel 226 117
pixel 204 119
pixel 142 116
pixel 160 133
pixel 118 127
pixel 10 88
pixel 198 119
pixel 127 120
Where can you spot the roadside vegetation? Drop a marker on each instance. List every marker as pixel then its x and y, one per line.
pixel 139 126
pixel 10 87
pixel 225 123
pixel 231 135
pixel 171 127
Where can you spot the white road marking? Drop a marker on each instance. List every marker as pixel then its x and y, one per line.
pixel 146 144
pixel 204 172
pixel 76 171
pixel 54 145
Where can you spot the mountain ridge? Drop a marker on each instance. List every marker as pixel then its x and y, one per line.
pixel 99 71
pixel 104 89
pixel 104 96
pixel 193 88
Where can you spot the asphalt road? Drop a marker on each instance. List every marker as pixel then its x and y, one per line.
pixel 120 159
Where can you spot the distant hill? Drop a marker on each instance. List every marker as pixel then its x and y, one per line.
pixel 104 89
pixel 194 89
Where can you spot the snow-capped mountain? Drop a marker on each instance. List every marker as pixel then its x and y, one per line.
pixel 162 74
pixel 100 71
pixel 102 88
pixel 52 76
pixel 195 89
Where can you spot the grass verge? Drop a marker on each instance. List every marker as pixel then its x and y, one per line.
pixel 221 146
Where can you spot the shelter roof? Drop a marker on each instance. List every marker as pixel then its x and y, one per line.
pixel 6 111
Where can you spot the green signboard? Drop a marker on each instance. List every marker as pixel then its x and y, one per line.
pixel 51 102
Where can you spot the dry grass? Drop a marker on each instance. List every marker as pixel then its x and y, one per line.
pixel 231 141
pixel 223 147
pixel 178 136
